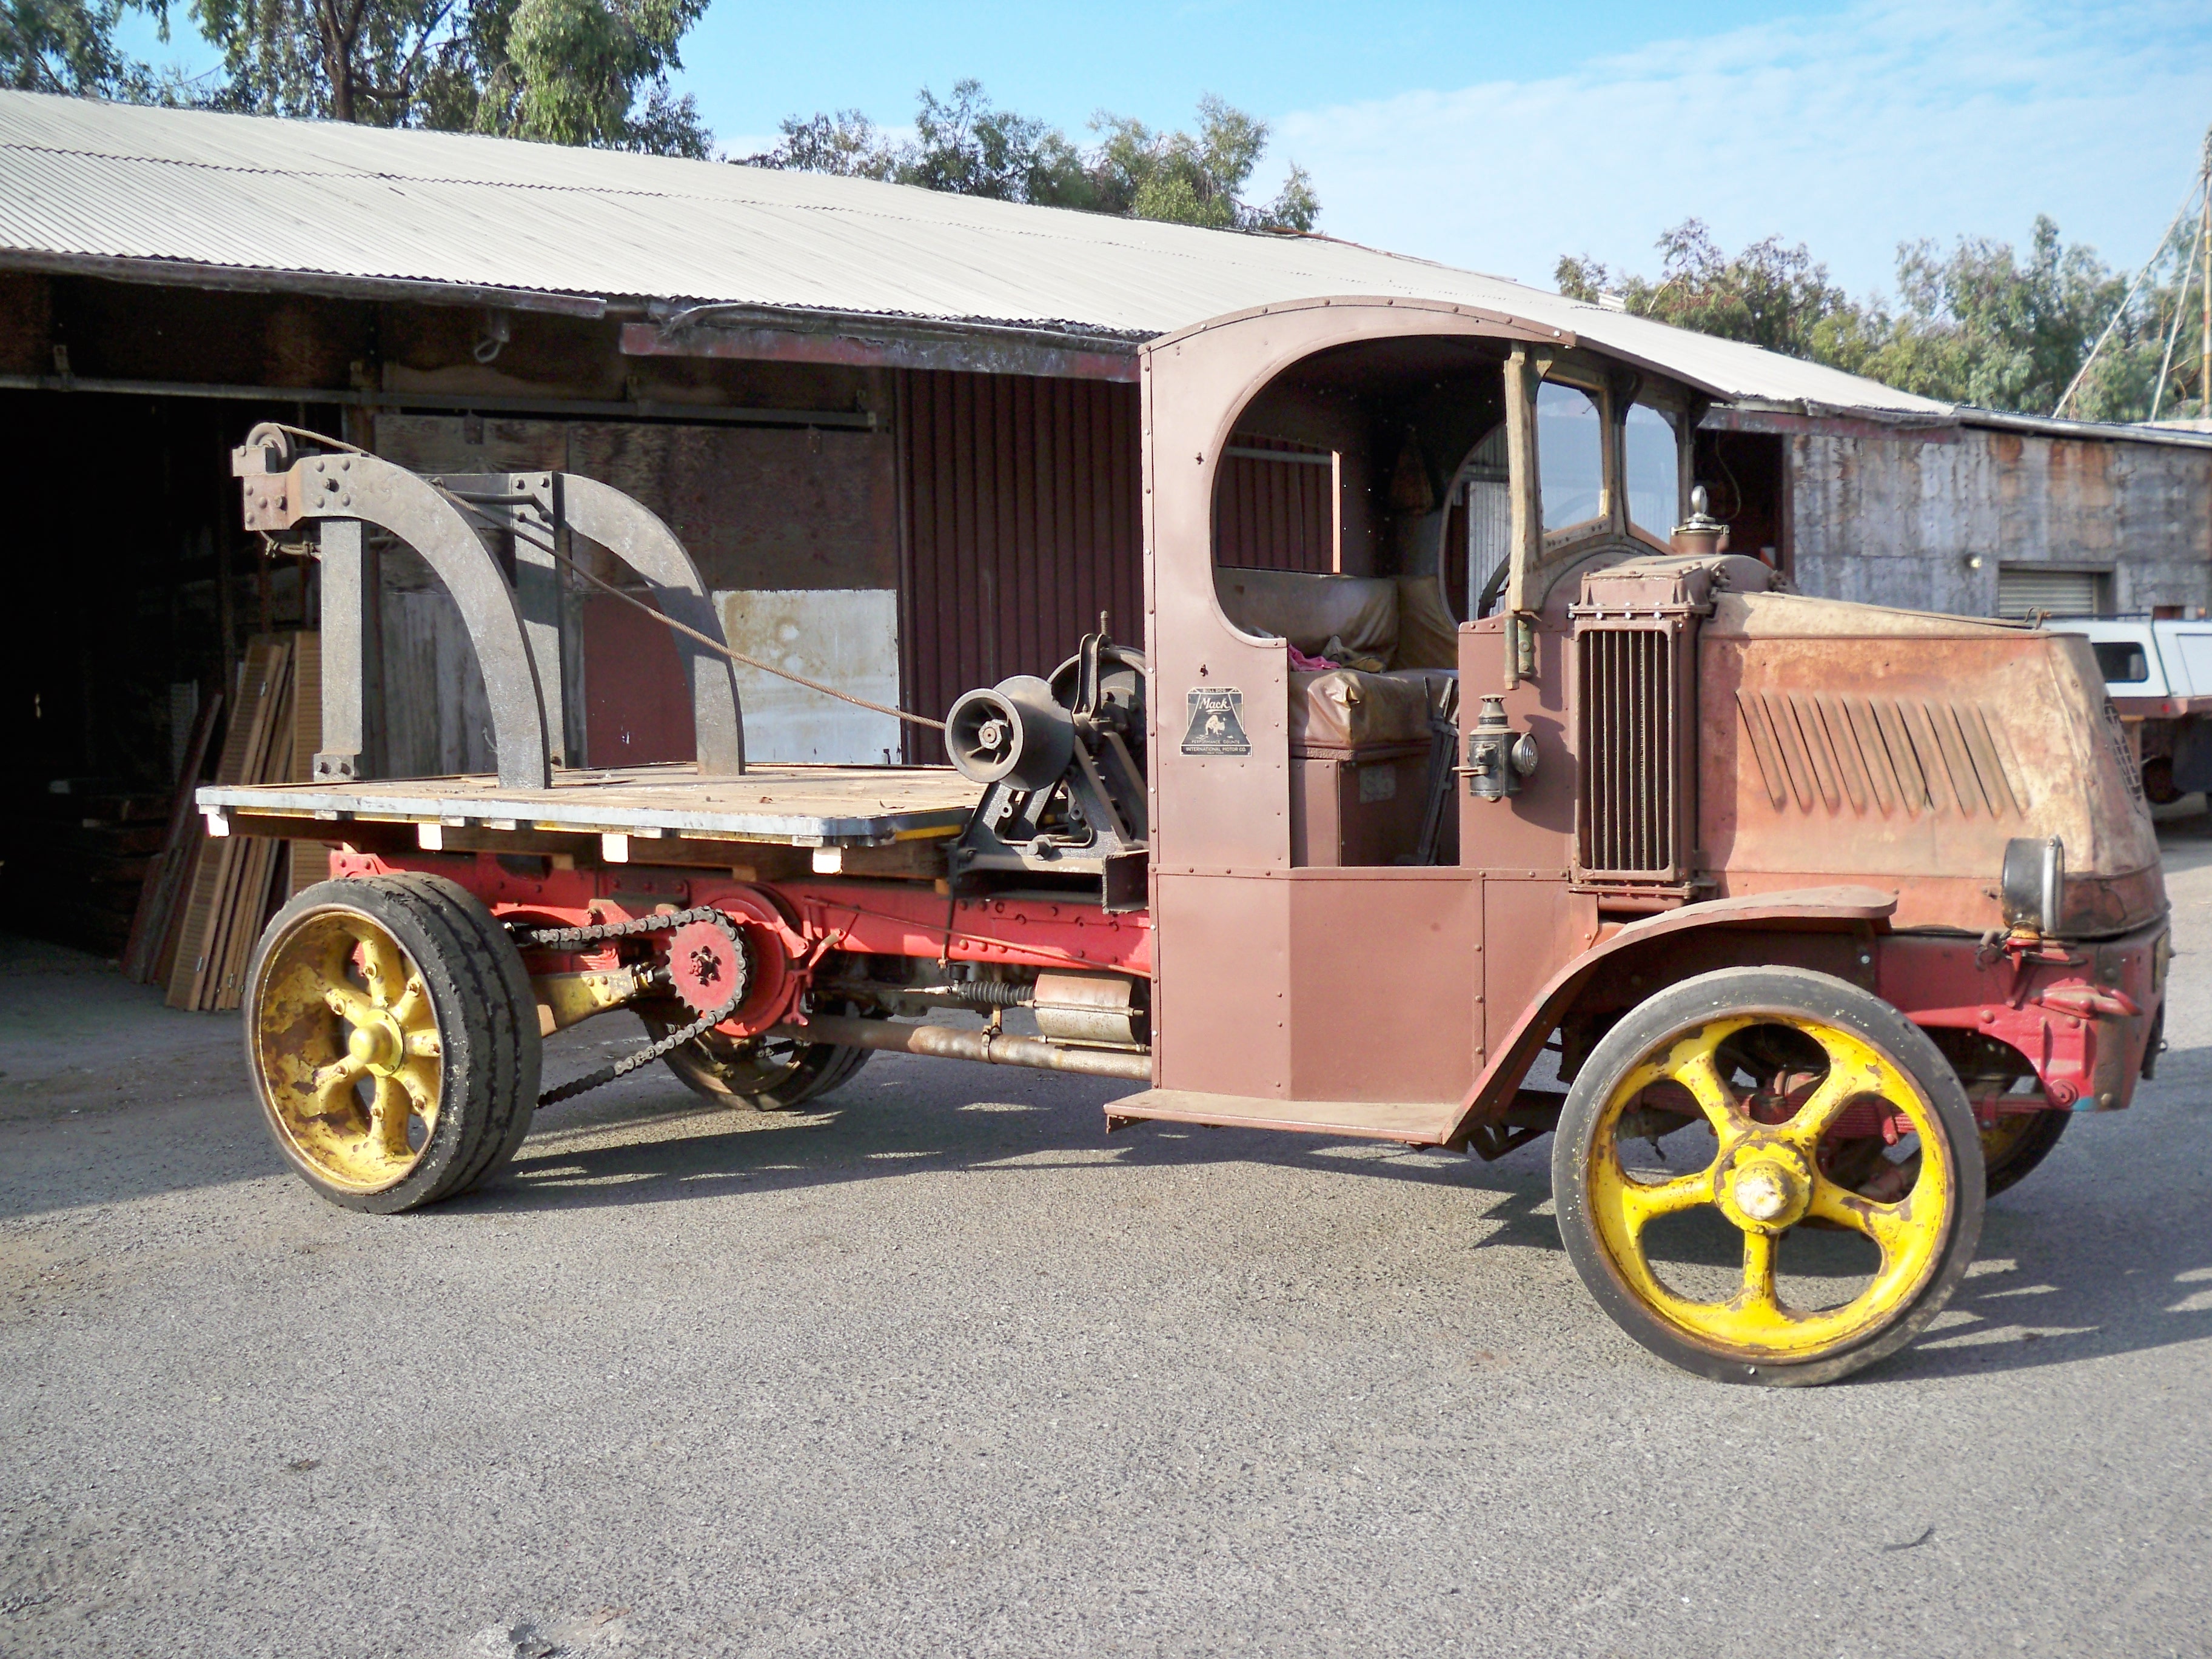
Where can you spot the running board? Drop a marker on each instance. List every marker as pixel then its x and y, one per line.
pixel 1417 1123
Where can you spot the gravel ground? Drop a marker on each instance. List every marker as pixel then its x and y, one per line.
pixel 942 1369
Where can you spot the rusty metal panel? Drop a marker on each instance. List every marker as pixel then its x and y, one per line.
pixel 1929 520
pixel 1906 749
pixel 637 703
pixel 1357 1034
pixel 1019 521
pixel 1542 925
pixel 1227 1030
pixel 758 508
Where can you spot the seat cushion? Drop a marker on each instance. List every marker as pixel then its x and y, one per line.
pixel 1427 636
pixel 1309 611
pixel 1344 710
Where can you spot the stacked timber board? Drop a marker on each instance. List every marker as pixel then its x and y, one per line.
pixel 236 881
pixel 153 938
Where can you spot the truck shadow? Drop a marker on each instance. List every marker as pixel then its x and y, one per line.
pixel 2055 1281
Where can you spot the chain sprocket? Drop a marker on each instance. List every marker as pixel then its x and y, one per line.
pixel 572 939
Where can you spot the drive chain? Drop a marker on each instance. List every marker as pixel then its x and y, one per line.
pixel 571 939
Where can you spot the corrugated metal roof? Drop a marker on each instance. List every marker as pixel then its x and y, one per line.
pixel 88 180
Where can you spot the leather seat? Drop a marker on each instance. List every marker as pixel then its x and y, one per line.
pixel 1346 711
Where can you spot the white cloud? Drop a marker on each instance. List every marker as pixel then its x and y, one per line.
pixel 1894 121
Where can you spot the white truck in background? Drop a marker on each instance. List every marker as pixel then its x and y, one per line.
pixel 2159 673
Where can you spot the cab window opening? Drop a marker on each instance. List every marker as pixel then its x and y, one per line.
pixel 1477 530
pixel 1651 471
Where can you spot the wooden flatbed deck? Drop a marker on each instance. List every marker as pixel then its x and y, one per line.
pixel 783 805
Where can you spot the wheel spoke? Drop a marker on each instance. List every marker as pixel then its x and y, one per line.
pixel 1701 1076
pixel 388 1118
pixel 1758 1249
pixel 1887 1225
pixel 348 1004
pixel 1820 1110
pixel 335 1098
pixel 384 967
pixel 420 1080
pixel 341 1071
pixel 412 1004
pixel 1642 1204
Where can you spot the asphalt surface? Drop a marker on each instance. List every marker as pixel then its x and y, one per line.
pixel 943 1370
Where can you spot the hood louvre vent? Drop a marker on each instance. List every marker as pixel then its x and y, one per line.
pixel 1880 753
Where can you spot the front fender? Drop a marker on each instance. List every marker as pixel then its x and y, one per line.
pixel 1825 909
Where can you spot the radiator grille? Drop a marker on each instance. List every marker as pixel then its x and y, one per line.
pixel 1630 753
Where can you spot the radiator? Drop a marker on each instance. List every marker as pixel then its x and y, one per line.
pixel 1633 765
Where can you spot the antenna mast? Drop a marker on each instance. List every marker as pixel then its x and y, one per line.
pixel 2197 193
pixel 2204 245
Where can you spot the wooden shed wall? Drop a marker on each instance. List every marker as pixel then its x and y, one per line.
pixel 1021 519
pixel 1894 519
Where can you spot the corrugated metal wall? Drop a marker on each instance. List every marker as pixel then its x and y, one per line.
pixel 1275 515
pixel 1021 521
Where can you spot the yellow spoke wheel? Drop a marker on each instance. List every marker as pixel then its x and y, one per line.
pixel 392 1039
pixel 1812 1108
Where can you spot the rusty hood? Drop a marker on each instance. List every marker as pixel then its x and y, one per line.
pixel 1906 749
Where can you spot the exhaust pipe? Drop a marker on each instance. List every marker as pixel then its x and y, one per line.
pixel 948 1042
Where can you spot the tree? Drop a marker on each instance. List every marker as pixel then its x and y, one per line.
pixel 68 46
pixel 1979 324
pixel 1769 295
pixel 593 72
pixel 846 143
pixel 569 72
pixel 967 146
pixel 1196 180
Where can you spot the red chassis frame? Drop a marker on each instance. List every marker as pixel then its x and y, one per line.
pixel 807 918
pixel 2075 1014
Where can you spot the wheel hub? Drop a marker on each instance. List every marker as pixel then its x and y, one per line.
pixel 377 1045
pixel 1765 1187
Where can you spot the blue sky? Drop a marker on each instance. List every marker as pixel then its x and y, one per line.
pixel 1499 137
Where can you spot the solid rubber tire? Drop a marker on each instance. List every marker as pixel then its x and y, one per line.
pixel 1818 997
pixel 823 1067
pixel 491 952
pixel 2020 1159
pixel 488 1072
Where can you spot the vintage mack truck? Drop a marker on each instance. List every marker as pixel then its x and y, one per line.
pixel 1800 925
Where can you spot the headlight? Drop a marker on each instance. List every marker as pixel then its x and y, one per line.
pixel 2033 885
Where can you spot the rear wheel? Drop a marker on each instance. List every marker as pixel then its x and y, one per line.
pixel 759 1075
pixel 1825 1195
pixel 392 1039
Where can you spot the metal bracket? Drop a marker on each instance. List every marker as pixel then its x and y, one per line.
pixel 518 629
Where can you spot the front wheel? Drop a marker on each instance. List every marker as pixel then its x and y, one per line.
pixel 1825 1191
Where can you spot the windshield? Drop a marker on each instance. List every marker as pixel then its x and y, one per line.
pixel 1570 456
